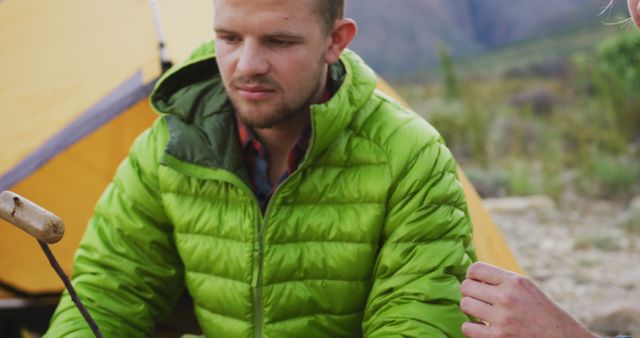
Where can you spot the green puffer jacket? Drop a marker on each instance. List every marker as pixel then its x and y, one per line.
pixel 370 237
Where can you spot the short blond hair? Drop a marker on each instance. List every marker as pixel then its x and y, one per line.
pixel 329 11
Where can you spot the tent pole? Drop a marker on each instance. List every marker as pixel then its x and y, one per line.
pixel 165 63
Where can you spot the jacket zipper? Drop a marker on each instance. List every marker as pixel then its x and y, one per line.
pixel 261 224
pixel 256 280
pixel 258 261
pixel 258 256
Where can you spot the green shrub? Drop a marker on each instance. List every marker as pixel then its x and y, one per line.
pixel 451 83
pixel 607 175
pixel 617 79
pixel 462 124
pixel 523 179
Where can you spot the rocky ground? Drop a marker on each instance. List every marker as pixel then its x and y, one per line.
pixel 584 254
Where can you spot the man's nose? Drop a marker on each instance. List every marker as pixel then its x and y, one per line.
pixel 252 61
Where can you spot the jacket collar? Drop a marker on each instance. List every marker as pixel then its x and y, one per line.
pixel 200 117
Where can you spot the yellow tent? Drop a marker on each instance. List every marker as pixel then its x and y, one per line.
pixel 74 76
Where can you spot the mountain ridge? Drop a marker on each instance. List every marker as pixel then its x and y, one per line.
pixel 400 39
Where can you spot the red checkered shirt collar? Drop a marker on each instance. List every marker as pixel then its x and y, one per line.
pixel 253 147
pixel 254 152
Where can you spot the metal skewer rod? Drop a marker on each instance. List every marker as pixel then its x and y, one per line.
pixel 72 292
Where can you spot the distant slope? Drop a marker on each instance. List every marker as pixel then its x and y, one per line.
pixel 398 37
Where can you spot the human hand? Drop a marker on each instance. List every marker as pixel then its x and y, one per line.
pixel 511 305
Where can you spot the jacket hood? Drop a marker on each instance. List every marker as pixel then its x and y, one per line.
pixel 198 111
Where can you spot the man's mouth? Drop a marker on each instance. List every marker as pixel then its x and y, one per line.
pixel 254 92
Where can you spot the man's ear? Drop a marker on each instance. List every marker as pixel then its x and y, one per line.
pixel 341 36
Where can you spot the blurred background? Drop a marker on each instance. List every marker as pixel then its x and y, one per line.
pixel 532 96
pixel 538 101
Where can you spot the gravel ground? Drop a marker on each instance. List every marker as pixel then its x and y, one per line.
pixel 580 254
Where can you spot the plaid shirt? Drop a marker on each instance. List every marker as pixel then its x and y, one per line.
pixel 255 158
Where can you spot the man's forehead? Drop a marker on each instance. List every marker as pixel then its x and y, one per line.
pixel 293 17
pixel 299 7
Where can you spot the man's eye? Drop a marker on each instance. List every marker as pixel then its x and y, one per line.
pixel 229 38
pixel 280 43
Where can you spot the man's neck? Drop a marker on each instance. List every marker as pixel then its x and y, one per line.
pixel 279 139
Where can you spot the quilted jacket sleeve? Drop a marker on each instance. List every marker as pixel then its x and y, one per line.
pixel 126 270
pixel 425 252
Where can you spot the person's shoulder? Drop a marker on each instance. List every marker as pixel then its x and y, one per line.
pixel 150 145
pixel 395 125
pixel 378 114
pixel 400 132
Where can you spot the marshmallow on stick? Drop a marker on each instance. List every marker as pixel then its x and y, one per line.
pixel 30 217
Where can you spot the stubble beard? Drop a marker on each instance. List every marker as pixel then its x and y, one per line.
pixel 276 111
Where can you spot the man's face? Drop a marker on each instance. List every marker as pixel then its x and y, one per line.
pixel 634 10
pixel 271 55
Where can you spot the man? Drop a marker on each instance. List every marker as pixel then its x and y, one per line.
pixel 287 195
pixel 511 305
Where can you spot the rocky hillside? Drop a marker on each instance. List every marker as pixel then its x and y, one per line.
pixel 398 37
